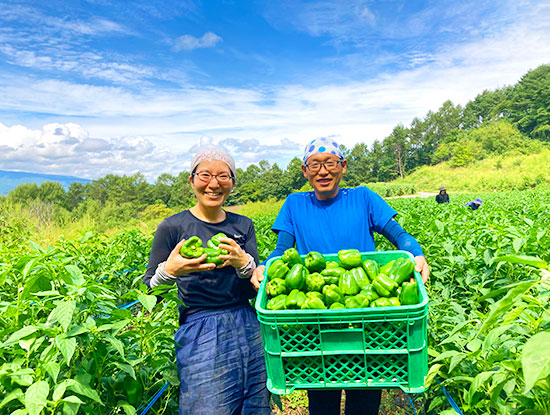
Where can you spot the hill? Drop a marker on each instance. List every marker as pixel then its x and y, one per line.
pixel 9 180
pixel 505 172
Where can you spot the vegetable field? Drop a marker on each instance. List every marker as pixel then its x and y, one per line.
pixel 79 334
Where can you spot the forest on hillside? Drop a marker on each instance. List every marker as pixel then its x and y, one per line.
pixel 511 120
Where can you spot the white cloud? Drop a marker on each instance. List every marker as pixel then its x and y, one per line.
pixel 189 42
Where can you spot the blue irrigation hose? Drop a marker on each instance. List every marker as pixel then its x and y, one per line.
pixel 128 305
pixel 154 399
pixel 412 403
pixel 450 398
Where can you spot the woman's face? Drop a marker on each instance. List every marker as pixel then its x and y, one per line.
pixel 211 193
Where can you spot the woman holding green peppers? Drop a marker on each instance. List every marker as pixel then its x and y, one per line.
pixel 219 349
pixel 330 219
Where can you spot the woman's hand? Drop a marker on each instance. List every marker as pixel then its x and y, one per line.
pixel 235 257
pixel 177 265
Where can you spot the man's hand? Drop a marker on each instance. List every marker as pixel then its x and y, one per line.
pixel 257 276
pixel 422 267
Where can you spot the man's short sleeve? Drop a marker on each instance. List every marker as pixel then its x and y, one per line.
pixel 380 212
pixel 284 222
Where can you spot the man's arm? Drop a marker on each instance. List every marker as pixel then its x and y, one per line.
pixel 404 241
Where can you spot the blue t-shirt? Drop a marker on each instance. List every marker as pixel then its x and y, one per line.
pixel 327 226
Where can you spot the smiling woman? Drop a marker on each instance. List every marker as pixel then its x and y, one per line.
pixel 219 350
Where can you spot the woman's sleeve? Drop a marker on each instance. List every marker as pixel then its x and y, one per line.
pixel 160 250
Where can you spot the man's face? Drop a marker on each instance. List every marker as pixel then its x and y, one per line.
pixel 324 179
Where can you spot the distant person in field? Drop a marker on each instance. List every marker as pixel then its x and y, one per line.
pixel 219 352
pixel 442 197
pixel 327 220
pixel 474 204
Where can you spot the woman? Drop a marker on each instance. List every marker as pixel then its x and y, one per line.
pixel 219 350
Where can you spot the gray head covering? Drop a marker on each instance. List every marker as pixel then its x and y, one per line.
pixel 213 153
pixel 442 188
pixel 478 201
pixel 322 145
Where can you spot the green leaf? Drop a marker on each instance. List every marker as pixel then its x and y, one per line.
pixel 52 368
pixel 504 304
pixel 117 344
pixel 432 373
pixel 148 301
pixel 62 314
pixel 83 390
pixel 479 380
pixel 59 391
pixel 445 355
pixel 36 397
pixel 455 360
pixel 76 274
pixel 66 346
pixel 474 345
pixel 126 368
pixel 18 335
pixel 522 259
pixel 535 359
pixel 36 248
pixel 14 394
pixel 73 399
pixel 517 244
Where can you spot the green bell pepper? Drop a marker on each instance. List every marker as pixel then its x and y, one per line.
pixel 332 275
pixel 347 284
pixel 134 391
pixel 213 255
pixel 363 300
pixel 214 242
pixel 360 276
pixel 277 303
pixel 315 282
pixel 369 293
pixel 336 305
pixel 291 257
pixel 351 302
pixel 276 287
pixel 315 262
pixel 277 269
pixel 386 268
pixel 402 270
pixel 314 294
pixel 384 285
pixel 371 268
pixel 313 303
pixel 409 293
pixel 332 294
pixel 350 258
pixel 192 248
pixel 295 299
pixel 332 264
pixel 381 302
pixel 296 277
pixel 394 301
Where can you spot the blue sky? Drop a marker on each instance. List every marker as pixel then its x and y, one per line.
pixel 94 87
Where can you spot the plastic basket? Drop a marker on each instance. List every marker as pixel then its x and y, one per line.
pixel 382 347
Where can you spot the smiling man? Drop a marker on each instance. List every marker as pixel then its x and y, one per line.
pixel 327 220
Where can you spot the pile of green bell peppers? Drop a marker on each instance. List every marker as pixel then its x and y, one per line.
pixel 194 248
pixel 311 283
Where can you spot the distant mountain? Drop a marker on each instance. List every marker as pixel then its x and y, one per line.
pixel 9 180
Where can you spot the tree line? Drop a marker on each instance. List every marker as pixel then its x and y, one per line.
pixel 510 119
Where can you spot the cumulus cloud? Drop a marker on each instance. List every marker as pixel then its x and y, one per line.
pixel 68 149
pixel 189 42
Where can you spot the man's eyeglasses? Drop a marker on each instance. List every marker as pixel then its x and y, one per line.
pixel 330 165
pixel 222 178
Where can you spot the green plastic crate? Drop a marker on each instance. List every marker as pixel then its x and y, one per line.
pixel 346 348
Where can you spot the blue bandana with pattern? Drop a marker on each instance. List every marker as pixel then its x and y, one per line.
pixel 322 145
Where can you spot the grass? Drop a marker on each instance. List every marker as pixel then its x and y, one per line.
pixel 512 172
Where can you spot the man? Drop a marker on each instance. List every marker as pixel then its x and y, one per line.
pixel 474 204
pixel 442 197
pixel 330 219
